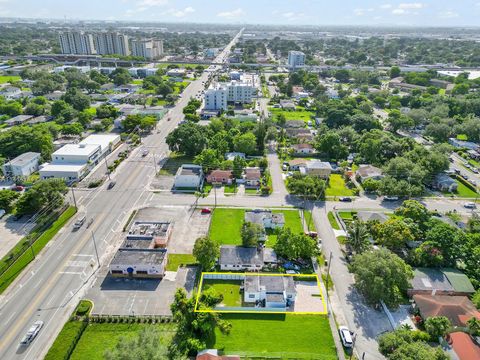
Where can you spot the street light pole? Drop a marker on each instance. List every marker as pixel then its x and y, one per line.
pixel 328 272
pixel 106 165
pixel 74 199
pixel 95 247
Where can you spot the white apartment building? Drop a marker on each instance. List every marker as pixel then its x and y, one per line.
pixel 216 98
pixel 240 92
pixel 147 48
pixel 295 59
pixel 22 165
pixel 76 43
pixel 108 43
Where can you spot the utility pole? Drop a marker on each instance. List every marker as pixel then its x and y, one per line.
pixel 106 165
pixel 95 247
pixel 74 199
pixel 328 272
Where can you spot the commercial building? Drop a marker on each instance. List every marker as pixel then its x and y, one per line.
pixel 22 165
pixel 76 42
pixel 189 176
pixel 72 162
pixel 240 91
pixel 216 98
pixel 143 253
pixel 296 59
pixel 147 48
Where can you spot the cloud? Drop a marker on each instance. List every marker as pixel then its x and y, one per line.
pixel 361 12
pixel 386 6
pixel 150 3
pixel 448 14
pixel 407 6
pixel 181 13
pixel 291 16
pixel 231 14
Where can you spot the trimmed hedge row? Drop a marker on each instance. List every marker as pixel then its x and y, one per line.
pixel 66 341
pixel 466 183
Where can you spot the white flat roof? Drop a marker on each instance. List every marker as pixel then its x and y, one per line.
pixel 77 149
pixel 103 140
pixel 63 167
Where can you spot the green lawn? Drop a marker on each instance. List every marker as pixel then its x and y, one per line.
pixel 347 215
pixel 463 191
pixel 333 221
pixel 336 187
pixel 292 221
pixel 173 163
pixel 13 271
pixel 230 289
pixel 226 225
pixel 309 220
pixel 98 337
pixel 230 189
pixel 9 79
pixel 137 81
pixel 303 115
pixel 251 191
pixel 282 336
pixel 176 260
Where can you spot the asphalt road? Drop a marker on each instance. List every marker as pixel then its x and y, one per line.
pixel 50 287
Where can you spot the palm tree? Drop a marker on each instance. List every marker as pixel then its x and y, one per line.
pixel 406 327
pixel 473 325
pixel 358 236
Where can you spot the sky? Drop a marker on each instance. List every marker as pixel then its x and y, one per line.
pixel 303 12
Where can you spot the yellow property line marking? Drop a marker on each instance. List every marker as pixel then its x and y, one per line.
pixel 200 286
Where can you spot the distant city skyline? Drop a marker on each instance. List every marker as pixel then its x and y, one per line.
pixel 430 13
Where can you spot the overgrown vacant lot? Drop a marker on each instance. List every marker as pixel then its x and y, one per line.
pixel 98 337
pixel 288 336
pixel 227 224
pixel 298 114
pixel 337 187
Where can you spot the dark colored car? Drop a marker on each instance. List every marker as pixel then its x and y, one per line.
pixel 206 211
pixel 111 184
pixel 346 199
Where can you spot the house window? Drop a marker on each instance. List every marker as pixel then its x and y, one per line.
pixel 117 272
pixel 142 272
pixel 251 296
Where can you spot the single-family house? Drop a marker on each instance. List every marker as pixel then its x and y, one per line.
pixel 460 144
pixel 441 282
pixel 303 148
pixel 372 216
pixel 366 171
pixel 297 133
pixel 266 218
pixel 232 155
pixel 463 346
pixel 220 177
pixel 239 258
pixel 295 124
pixel 287 104
pixel 189 176
pixel 443 182
pixel 317 168
pixel 296 164
pixel 18 120
pixel 458 309
pixel 270 291
pixel 10 92
pixel 252 177
pixel 22 165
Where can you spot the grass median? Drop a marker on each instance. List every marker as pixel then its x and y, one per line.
pixel 13 271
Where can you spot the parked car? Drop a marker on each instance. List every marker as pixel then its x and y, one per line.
pixel 470 205
pixel 291 272
pixel 345 199
pixel 464 176
pixel 284 167
pixel 18 188
pixel 346 336
pixel 312 234
pixel 475 170
pixel 206 211
pixel 145 152
pixel 111 184
pixel 390 198
pixel 31 333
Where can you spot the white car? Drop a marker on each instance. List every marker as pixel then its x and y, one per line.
pixel 31 333
pixel 469 205
pixel 346 336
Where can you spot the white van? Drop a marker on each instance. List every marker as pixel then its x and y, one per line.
pixel 80 220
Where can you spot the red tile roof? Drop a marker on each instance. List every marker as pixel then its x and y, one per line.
pixel 456 308
pixel 464 346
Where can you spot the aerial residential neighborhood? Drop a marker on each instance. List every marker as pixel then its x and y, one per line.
pixel 209 180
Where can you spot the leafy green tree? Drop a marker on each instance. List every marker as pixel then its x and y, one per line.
pixel 42 194
pixel 476 299
pixel 148 344
pixel 370 185
pixel 251 234
pixel 106 111
pixel 358 236
pixel 437 326
pixel 393 234
pixel 206 251
pixel 238 167
pixel 295 246
pixel 245 143
pixel 77 99
pixel 414 210
pixel 7 199
pixel 208 159
pixel 72 129
pixel 120 76
pixel 188 138
pixel 11 108
pixel 22 139
pixel 306 186
pixel 381 275
pixel 473 325
pixel 164 89
pixel 398 121
pixel 331 145
pixel 394 72
pixel 418 351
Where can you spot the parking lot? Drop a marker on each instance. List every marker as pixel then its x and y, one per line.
pixel 188 225
pixel 123 296
pixel 11 232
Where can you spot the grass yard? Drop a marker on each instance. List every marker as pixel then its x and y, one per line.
pixel 309 220
pixel 251 191
pixel 230 289
pixel 292 221
pixel 13 271
pixel 288 336
pixel 333 221
pixel 137 81
pixel 303 115
pixel 463 191
pixel 99 337
pixel 9 79
pixel 337 187
pixel 226 225
pixel 173 163
pixel 230 189
pixel 347 215
pixel 177 260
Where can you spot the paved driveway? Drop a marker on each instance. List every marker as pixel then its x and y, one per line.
pixel 308 297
